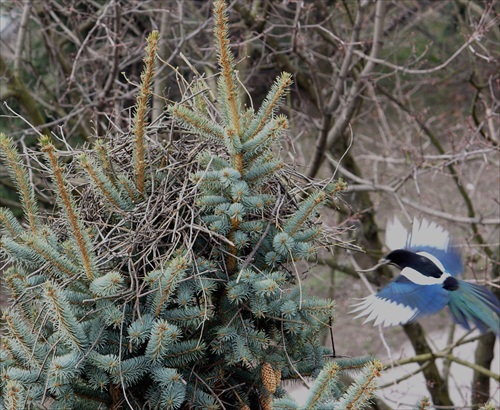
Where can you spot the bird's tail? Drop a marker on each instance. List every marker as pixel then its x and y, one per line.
pixel 471 303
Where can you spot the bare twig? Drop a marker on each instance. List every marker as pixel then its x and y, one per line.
pixel 21 35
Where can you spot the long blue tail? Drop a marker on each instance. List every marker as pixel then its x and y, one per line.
pixel 472 303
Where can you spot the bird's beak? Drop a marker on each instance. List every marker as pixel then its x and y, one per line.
pixel 380 263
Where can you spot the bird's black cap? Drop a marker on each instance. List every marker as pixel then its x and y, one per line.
pixel 407 259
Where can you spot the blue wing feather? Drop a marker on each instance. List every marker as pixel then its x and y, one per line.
pixel 427 299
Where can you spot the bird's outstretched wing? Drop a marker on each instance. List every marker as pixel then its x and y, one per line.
pixel 396 235
pixel 426 238
pixel 402 301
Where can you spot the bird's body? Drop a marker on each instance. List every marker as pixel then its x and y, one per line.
pixel 428 282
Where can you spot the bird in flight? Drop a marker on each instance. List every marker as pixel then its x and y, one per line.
pixel 428 282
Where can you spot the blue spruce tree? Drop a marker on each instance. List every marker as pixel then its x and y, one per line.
pixel 165 280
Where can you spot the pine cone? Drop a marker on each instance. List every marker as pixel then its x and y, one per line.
pixel 269 379
pixel 277 375
pixel 266 402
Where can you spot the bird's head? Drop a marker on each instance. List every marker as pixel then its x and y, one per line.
pixel 403 258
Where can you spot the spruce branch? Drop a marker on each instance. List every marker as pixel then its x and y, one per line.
pixel 269 106
pixel 14 278
pixel 488 406
pixel 166 282
pixel 15 395
pixel 11 225
pixel 68 207
pixel 63 316
pixel 56 262
pixel 25 339
pixel 197 122
pixel 19 251
pixel 109 284
pixel 185 353
pixel 422 404
pixel 101 185
pixel 306 208
pixel 361 391
pixel 326 385
pixel 103 158
pixel 261 171
pixel 62 370
pixel 163 335
pixel 141 110
pixel 128 186
pixel 266 137
pixel 226 63
pixel 129 371
pixel 19 175
pixel 354 364
pixel 104 184
pixel 12 274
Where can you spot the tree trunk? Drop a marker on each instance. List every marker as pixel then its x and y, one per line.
pixel 437 387
pixel 485 350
